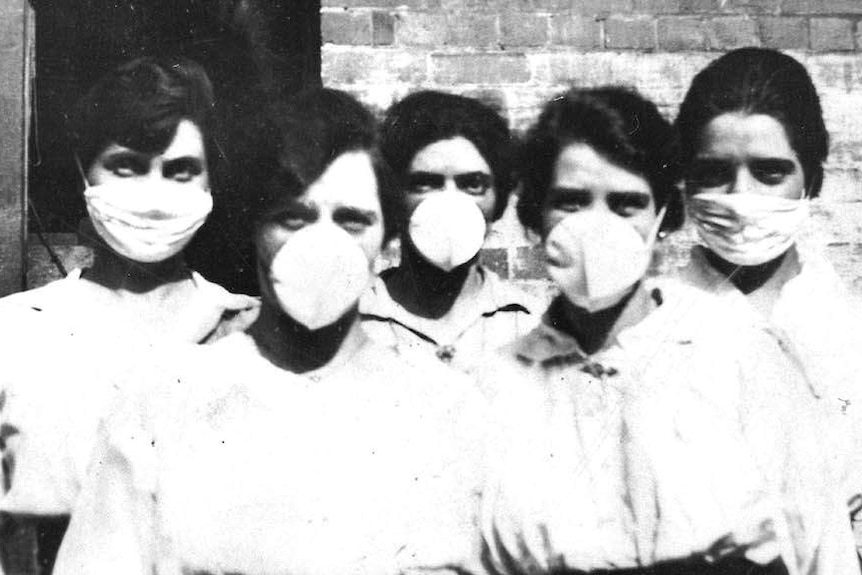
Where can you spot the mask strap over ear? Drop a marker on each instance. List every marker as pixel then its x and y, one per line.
pixel 81 171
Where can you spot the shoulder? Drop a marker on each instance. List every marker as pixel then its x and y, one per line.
pixel 376 303
pixel 50 297
pixel 508 297
pixel 238 311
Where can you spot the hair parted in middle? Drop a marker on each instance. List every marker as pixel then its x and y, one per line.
pixel 620 125
pixel 425 117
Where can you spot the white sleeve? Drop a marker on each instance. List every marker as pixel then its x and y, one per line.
pixel 112 526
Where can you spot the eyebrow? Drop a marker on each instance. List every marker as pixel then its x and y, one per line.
pixel 781 163
pixel 295 208
pixel 351 211
pixel 617 193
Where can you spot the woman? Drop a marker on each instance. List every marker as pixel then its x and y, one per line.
pixel 642 428
pixel 452 157
pixel 144 140
pixel 299 446
pixel 754 143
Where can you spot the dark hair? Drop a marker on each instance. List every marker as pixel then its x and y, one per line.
pixel 616 122
pixel 759 81
pixel 139 105
pixel 425 117
pixel 310 131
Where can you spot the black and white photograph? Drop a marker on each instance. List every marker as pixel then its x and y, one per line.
pixel 431 287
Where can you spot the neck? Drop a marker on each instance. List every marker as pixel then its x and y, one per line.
pixel 114 272
pixel 595 331
pixel 424 289
pixel 292 346
pixel 749 279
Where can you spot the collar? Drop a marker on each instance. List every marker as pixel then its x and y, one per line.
pixel 494 296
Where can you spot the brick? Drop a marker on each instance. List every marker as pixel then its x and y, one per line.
pixel 784 32
pixel 529 263
pixel 346 27
pixel 630 33
pixel 353 66
pixel 383 28
pixel 521 29
pixel 409 4
pixel 676 34
pixel 475 30
pixel 732 32
pixel 700 6
pixel 492 68
pixel 831 34
pixel 688 7
pixel 420 29
pixel 656 6
pixel 602 7
pixel 821 7
pixel 760 7
pixel 576 31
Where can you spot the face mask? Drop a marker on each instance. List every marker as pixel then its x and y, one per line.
pixel 447 229
pixel 147 222
pixel 747 229
pixel 319 274
pixel 596 257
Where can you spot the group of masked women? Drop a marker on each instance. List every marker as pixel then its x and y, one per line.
pixel 432 419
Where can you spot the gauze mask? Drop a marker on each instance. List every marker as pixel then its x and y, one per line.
pixel 319 274
pixel 595 257
pixel 747 229
pixel 147 221
pixel 447 229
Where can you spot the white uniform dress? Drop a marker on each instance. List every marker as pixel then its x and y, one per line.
pixel 821 323
pixel 690 439
pixel 64 358
pixel 232 465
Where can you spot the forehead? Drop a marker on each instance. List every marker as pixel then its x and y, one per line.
pixel 738 134
pixel 580 166
pixel 349 181
pixel 453 156
pixel 188 140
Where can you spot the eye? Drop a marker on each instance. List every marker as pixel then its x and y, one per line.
pixel 127 165
pixel 352 220
pixel 424 182
pixel 709 174
pixel 294 217
pixel 570 200
pixel 627 204
pixel 473 183
pixel 772 172
pixel 182 169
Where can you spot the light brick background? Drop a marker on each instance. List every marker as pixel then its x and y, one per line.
pixel 518 53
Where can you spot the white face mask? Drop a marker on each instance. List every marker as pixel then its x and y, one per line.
pixel 596 257
pixel 319 274
pixel 146 221
pixel 747 229
pixel 448 229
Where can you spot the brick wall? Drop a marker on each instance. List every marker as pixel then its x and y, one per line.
pixel 517 53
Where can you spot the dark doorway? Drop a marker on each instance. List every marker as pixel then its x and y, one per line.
pixel 253 50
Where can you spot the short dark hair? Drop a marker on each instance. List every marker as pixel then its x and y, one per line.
pixel 428 116
pixel 618 123
pixel 309 132
pixel 139 105
pixel 759 81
